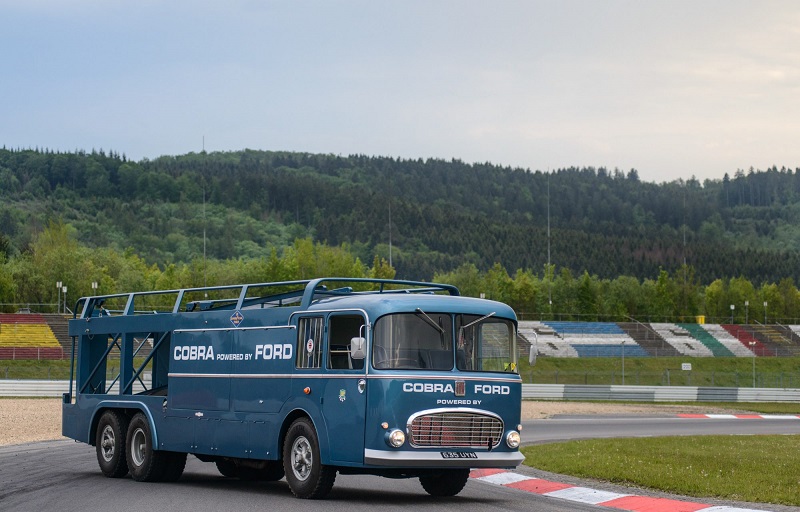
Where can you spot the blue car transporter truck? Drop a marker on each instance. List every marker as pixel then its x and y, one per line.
pixel 300 379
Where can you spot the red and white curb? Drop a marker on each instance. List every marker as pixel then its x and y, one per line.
pixel 594 496
pixel 743 416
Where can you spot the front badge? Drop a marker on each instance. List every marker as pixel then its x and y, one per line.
pixel 461 388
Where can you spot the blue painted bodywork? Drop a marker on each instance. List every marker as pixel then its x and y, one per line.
pixel 225 380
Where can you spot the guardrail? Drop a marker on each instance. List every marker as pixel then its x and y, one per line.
pixel 55 388
pixel 658 393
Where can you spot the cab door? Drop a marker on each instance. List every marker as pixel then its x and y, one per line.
pixel 344 401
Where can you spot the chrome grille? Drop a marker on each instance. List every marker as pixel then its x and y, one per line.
pixel 455 429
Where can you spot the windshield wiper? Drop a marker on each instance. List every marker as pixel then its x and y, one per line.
pixel 430 321
pixel 464 327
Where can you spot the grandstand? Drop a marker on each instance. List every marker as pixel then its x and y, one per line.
pixel 741 335
pixel 780 339
pixel 649 339
pixel 597 339
pixel 637 339
pixel 28 336
pixel 681 340
pixel 550 343
pixel 733 338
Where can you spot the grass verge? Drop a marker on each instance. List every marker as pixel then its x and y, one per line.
pixel 763 469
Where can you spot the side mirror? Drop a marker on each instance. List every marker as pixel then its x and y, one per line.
pixel 357 346
pixel 534 350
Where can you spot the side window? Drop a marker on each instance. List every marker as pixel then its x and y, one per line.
pixel 341 329
pixel 309 342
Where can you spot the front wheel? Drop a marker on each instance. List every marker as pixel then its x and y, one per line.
pixel 144 463
pixel 447 483
pixel 308 478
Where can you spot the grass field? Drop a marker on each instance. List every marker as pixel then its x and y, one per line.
pixel 47 369
pixel 762 469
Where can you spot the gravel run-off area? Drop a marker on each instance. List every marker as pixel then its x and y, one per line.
pixel 25 420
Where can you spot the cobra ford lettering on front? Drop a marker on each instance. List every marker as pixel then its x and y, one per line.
pixel 446 388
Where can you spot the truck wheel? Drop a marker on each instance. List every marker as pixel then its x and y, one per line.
pixel 110 444
pixel 144 463
pixel 227 468
pixel 272 472
pixel 176 463
pixel 447 483
pixel 306 475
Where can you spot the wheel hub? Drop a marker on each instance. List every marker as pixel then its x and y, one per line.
pixel 138 447
pixel 302 458
pixel 107 443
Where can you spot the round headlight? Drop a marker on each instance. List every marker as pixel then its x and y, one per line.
pixel 396 438
pixel 513 439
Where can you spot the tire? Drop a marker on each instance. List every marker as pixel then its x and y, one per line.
pixel 144 463
pixel 176 463
pixel 447 483
pixel 227 468
pixel 271 473
pixel 308 478
pixel 110 444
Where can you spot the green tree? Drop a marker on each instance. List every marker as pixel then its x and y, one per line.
pixel 587 303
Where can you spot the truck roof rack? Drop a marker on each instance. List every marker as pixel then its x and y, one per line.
pixel 301 293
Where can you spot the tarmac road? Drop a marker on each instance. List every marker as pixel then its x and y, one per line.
pixel 63 476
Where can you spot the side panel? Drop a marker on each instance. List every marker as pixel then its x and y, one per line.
pixel 344 409
pixel 200 370
pixel 262 378
pixel 226 388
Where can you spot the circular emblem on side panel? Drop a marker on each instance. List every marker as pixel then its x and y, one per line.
pixel 310 345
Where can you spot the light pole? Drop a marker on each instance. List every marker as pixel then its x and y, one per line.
pixel 732 308
pixel 623 362
pixel 765 312
pixel 746 310
pixel 64 289
pixel 753 349
pixel 58 302
pixel 94 287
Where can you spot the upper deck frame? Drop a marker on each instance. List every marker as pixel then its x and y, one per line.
pixel 306 292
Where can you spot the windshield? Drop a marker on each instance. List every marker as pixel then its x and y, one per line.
pixel 425 341
pixel 488 345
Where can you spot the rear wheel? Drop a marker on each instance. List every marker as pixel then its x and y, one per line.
pixel 144 463
pixel 110 444
pixel 305 473
pixel 448 482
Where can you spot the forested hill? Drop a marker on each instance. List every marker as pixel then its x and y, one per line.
pixel 443 213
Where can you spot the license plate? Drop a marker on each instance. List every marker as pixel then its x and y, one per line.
pixel 459 455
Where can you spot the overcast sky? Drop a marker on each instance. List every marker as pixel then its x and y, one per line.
pixel 673 89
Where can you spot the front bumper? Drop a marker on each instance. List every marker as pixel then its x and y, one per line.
pixel 408 459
